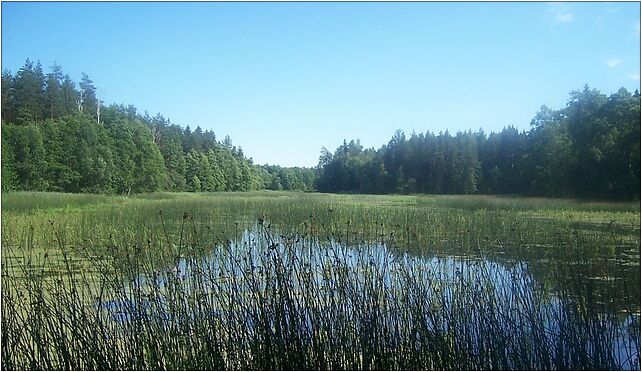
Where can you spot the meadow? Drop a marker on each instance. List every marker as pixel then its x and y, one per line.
pixel 288 280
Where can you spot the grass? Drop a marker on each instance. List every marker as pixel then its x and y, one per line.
pixel 277 280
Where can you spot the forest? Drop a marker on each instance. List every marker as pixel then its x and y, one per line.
pixel 57 136
pixel 588 149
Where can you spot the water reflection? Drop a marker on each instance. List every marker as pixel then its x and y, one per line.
pixel 469 292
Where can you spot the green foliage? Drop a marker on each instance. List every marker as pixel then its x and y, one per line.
pixel 28 93
pixel 8 162
pixel 54 95
pixel 288 178
pixel 28 164
pixel 589 149
pixel 89 101
pixel 52 141
pixel 171 149
pixel 8 93
pixel 148 162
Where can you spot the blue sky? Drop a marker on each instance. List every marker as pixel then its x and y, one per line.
pixel 285 79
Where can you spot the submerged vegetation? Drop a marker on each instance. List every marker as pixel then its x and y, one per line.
pixel 275 280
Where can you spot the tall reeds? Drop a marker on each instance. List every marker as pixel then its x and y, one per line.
pixel 298 301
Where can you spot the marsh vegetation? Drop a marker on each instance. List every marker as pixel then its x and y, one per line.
pixel 276 280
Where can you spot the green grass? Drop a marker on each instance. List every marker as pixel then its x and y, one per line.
pixel 573 267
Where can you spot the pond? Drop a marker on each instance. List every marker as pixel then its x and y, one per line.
pixel 498 313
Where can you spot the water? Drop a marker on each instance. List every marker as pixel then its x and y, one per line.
pixel 449 289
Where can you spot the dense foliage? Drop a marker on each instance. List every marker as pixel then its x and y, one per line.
pixel 589 149
pixel 290 178
pixel 56 137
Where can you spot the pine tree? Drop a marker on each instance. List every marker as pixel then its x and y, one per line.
pixel 89 100
pixel 8 99
pixel 29 84
pixel 54 97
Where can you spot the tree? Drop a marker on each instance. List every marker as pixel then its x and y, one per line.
pixel 467 167
pixel 29 84
pixel 8 99
pixel 550 154
pixel 28 156
pixel 54 97
pixel 69 95
pixel 89 101
pixel 193 170
pixel 174 165
pixel 8 161
pixel 62 171
pixel 57 138
pixel 123 148
pixel 149 167
pixel 82 146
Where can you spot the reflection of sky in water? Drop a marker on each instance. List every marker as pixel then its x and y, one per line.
pixel 446 279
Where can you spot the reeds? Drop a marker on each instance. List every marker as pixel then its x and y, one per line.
pixel 277 300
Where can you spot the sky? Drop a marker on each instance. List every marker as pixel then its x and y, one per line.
pixel 285 79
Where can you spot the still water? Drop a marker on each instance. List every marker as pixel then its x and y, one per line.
pixel 517 295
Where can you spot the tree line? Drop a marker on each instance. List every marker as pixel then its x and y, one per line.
pixel 588 149
pixel 58 136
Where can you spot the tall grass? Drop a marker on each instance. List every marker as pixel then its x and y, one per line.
pixel 275 280
pixel 300 301
pixel 28 201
